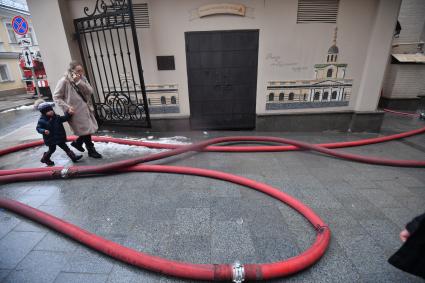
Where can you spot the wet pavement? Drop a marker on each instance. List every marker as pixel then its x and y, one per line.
pixel 13 120
pixel 10 101
pixel 202 220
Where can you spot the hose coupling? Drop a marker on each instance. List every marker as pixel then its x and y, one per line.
pixel 64 173
pixel 238 272
pixel 321 228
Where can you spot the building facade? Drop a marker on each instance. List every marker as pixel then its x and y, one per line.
pixel 11 77
pixel 243 64
pixel 404 85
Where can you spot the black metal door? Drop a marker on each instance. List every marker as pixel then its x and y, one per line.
pixel 110 52
pixel 222 76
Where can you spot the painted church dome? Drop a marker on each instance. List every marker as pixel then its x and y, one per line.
pixel 333 50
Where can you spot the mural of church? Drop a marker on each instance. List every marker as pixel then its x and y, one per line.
pixel 329 88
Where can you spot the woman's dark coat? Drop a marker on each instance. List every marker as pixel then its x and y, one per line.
pixel 411 256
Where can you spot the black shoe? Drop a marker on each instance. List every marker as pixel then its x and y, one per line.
pixel 93 153
pixel 73 156
pixel 78 146
pixel 46 159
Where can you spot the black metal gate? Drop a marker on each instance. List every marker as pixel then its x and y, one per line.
pixel 110 52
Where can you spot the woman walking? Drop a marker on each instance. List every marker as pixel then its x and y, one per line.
pixel 73 91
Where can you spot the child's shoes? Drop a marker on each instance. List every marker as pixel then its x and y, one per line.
pixel 46 159
pixel 73 156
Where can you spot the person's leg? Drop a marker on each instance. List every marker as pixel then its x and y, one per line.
pixel 46 156
pixel 69 152
pixel 90 147
pixel 78 143
pixel 87 141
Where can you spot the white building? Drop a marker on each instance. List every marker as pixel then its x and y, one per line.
pixel 223 58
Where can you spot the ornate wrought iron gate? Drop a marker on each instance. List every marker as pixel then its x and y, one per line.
pixel 110 52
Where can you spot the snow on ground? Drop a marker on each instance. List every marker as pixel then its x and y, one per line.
pixel 113 149
pixel 167 140
pixel 123 149
pixel 23 107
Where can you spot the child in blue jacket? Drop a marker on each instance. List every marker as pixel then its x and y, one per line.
pixel 50 126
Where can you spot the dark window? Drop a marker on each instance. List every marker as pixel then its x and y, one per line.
pixel 163 100
pixel 173 100
pixel 305 96
pixel 325 95
pixel 316 96
pixel 336 57
pixel 149 101
pixel 334 94
pixel 271 96
pixel 165 63
pixel 281 96
pixel 291 96
pixel 329 74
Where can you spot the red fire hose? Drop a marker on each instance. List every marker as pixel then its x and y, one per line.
pixel 30 174
pixel 228 148
pixel 181 269
pixel 414 115
pixel 211 272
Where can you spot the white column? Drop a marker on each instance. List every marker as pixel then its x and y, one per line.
pixel 47 20
pixel 377 55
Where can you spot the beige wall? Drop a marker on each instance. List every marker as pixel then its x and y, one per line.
pixel 15 75
pixel 299 46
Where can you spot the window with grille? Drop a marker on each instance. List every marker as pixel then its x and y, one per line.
pixel 141 15
pixel 317 11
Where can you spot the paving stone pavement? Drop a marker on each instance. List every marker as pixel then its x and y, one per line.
pixel 203 220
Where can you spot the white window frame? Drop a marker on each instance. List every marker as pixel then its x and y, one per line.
pixel 5 22
pixel 33 36
pixel 9 77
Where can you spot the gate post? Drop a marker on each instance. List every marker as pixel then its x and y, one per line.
pixel 139 61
